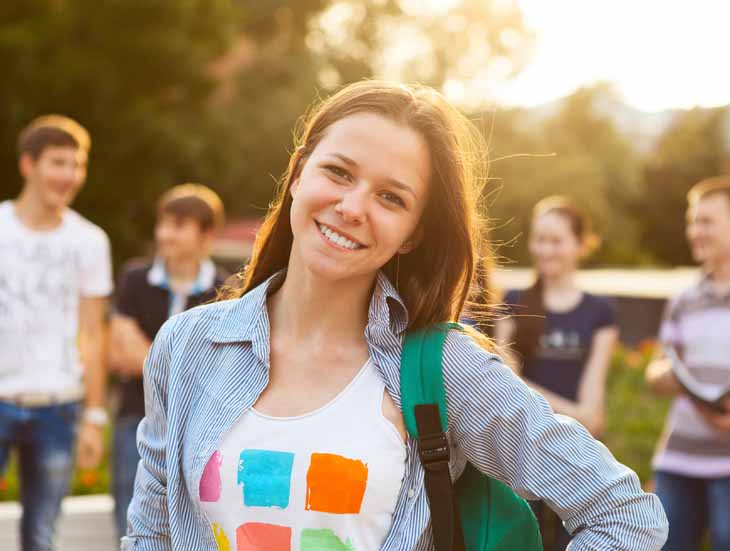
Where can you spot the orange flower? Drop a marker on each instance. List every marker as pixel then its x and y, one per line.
pixel 88 478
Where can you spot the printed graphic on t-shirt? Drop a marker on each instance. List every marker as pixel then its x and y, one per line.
pixel 334 485
pixel 43 276
pixel 560 345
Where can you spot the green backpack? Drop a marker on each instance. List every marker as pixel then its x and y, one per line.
pixel 476 513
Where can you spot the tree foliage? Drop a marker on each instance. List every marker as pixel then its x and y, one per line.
pixel 694 147
pixel 202 90
pixel 572 150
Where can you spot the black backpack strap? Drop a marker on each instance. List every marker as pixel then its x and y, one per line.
pixel 433 450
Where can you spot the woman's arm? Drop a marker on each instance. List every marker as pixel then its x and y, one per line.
pixel 510 433
pixel 590 406
pixel 128 346
pixel 148 523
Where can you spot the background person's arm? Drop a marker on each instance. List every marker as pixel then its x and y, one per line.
pixel 659 375
pixel 128 346
pixel 91 346
pixel 590 406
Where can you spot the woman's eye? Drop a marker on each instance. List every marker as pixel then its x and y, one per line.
pixel 393 198
pixel 339 172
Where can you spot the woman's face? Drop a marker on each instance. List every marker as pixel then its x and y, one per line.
pixel 359 197
pixel 554 247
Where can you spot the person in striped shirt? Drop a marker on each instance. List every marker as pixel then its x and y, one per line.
pixel 692 461
pixel 273 417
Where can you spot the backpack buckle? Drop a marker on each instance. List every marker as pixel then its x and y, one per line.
pixel 433 449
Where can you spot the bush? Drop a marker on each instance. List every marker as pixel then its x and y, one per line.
pixel 635 415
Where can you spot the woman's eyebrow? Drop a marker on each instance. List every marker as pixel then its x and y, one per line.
pixel 390 181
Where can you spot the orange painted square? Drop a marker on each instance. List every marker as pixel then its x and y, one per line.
pixel 257 536
pixel 335 484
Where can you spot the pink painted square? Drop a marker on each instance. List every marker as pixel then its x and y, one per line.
pixel 210 482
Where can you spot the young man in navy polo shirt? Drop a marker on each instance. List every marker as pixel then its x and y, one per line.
pixel 179 277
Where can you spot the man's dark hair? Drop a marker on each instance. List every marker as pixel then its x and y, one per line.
pixel 195 201
pixel 49 131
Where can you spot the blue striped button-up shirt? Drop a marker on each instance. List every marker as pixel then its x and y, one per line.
pixel 209 365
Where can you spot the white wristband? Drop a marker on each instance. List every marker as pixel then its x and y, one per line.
pixel 96 416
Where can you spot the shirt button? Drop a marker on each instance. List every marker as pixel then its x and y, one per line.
pixel 411 493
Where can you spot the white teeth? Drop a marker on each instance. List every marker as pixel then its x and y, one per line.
pixel 337 238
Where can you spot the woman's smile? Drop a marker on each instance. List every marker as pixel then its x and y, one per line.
pixel 338 239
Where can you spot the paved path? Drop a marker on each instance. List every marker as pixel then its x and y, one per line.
pixel 86 525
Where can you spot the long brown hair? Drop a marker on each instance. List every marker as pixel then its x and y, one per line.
pixel 434 279
pixel 530 321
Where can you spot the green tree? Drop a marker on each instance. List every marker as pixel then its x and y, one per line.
pixel 591 162
pixel 135 73
pixel 209 90
pixel 313 47
pixel 694 147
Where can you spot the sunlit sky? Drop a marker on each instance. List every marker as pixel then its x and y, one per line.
pixel 659 53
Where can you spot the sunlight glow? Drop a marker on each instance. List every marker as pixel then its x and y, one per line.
pixel 659 53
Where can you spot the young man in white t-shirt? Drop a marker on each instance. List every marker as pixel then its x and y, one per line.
pixel 55 275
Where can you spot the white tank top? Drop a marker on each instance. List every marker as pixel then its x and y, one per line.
pixel 326 480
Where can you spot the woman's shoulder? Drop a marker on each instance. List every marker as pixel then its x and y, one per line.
pixel 475 377
pixel 601 308
pixel 207 320
pixel 597 302
pixel 467 351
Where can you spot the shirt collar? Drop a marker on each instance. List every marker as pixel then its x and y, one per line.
pixel 205 280
pixel 247 317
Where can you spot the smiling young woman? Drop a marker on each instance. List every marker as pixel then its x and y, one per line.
pixel 273 417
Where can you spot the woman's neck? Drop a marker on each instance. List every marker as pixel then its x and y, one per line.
pixel 307 307
pixel 560 283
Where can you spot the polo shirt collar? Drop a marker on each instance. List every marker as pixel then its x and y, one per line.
pixel 205 280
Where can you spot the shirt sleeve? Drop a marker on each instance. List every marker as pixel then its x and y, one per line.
pixel 96 266
pixel 510 303
pixel 606 313
pixel 148 516
pixel 510 433
pixel 124 301
pixel 669 330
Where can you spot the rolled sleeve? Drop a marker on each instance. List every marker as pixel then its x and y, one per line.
pixel 147 518
pixel 510 433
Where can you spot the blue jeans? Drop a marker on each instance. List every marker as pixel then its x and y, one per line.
pixel 125 460
pixel 44 438
pixel 694 505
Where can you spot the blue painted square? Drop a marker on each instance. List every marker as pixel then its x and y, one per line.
pixel 266 477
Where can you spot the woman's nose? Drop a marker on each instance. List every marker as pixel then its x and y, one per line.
pixel 352 207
